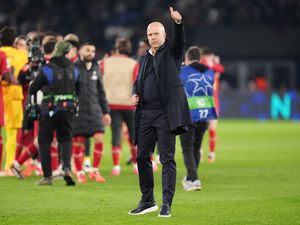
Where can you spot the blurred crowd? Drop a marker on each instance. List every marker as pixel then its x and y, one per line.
pixel 101 21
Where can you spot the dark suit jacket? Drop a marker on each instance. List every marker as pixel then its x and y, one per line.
pixel 167 65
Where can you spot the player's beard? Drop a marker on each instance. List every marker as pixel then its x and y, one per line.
pixel 88 59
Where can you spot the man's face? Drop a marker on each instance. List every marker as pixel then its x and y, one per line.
pixel 87 53
pixel 156 35
pixel 21 44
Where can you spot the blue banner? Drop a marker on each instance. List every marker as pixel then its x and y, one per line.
pixel 260 105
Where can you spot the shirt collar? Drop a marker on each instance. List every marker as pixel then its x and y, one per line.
pixel 151 52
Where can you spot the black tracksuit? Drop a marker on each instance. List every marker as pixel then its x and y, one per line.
pixel 56 78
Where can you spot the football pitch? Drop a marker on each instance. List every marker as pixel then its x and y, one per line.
pixel 255 180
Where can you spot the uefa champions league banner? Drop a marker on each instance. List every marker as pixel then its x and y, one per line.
pixel 260 105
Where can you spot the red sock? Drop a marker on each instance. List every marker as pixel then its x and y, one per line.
pixel 78 152
pixel 133 152
pixel 1 150
pixel 19 143
pixel 98 152
pixel 54 157
pixel 116 150
pixel 212 140
pixel 31 150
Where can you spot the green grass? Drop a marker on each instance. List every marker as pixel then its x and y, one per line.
pixel 255 180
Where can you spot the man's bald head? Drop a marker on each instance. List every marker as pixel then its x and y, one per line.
pixel 156 26
pixel 156 35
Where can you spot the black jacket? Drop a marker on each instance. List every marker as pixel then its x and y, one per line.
pixel 58 81
pixel 92 101
pixel 167 65
pixel 42 79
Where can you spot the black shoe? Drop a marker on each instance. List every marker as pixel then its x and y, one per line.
pixel 17 172
pixel 45 181
pixel 69 180
pixel 143 208
pixel 165 211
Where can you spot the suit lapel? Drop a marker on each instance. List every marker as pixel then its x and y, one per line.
pixel 143 62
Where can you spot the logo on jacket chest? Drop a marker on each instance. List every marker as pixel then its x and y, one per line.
pixel 94 75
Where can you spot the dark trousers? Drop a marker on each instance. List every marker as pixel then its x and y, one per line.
pixel 153 127
pixel 61 122
pixel 191 144
pixel 87 147
pixel 117 117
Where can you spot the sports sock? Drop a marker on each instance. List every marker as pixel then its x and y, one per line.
pixel 98 152
pixel 212 140
pixel 116 151
pixel 30 150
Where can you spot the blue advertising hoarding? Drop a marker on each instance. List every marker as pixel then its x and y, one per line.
pixel 260 105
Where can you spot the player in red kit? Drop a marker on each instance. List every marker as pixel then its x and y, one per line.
pixel 211 60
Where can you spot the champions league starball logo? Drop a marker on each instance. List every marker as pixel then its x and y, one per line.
pixel 200 84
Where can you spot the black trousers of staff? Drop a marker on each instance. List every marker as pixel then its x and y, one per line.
pixel 61 122
pixel 191 148
pixel 152 128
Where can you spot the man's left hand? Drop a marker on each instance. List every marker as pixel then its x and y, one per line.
pixel 175 16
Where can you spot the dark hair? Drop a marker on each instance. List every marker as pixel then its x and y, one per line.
pixel 8 35
pixel 49 33
pixel 86 43
pixel 193 53
pixel 123 45
pixel 49 46
pixel 206 51
pixel 37 38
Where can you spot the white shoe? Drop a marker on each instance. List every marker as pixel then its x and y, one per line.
pixel 16 169
pixel 116 171
pixel 135 169
pixel 57 174
pixel 211 157
pixel 192 185
pixel 87 166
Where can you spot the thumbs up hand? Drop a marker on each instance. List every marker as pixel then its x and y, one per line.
pixel 175 15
